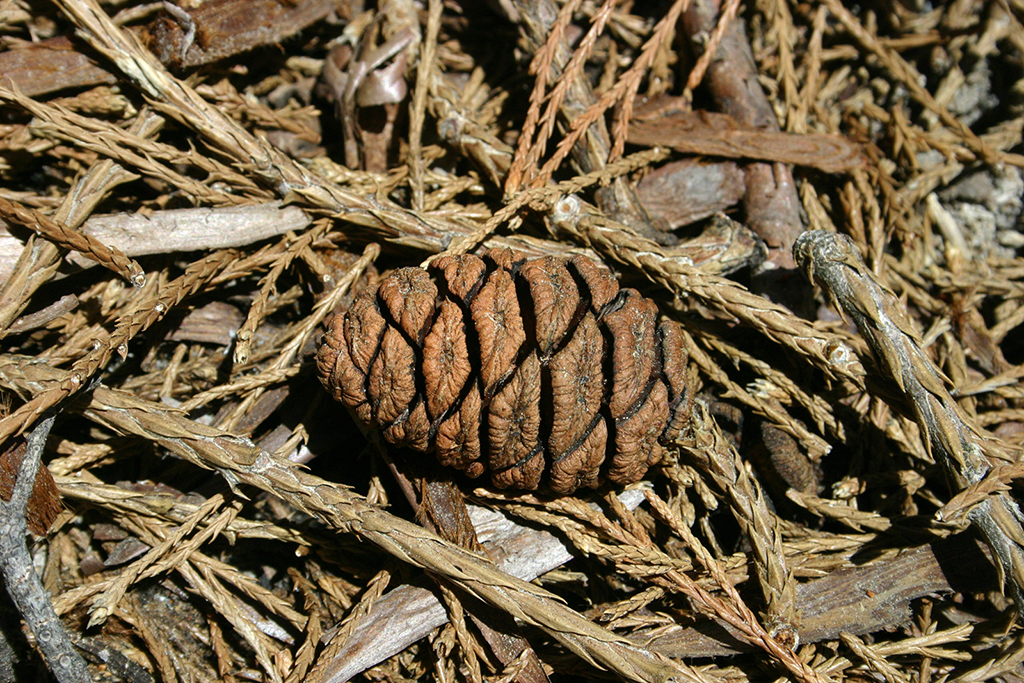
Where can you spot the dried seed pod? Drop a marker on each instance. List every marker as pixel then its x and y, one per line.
pixel 534 370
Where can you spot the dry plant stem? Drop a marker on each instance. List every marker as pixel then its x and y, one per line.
pixel 1007 664
pixel 207 578
pixel 741 248
pixel 819 408
pixel 149 157
pixel 816 446
pixel 731 608
pixel 283 366
pixel 325 669
pixel 827 606
pixel 39 259
pixel 829 352
pixel 241 462
pixel 509 170
pixel 521 168
pixel 494 158
pixel 725 18
pixel 122 502
pixel 211 590
pixel 858 520
pixel 722 465
pixel 884 593
pixel 832 260
pixel 268 290
pixel 306 653
pixel 592 153
pixel 144 314
pixel 442 509
pixel 175 553
pixel 783 32
pixel 771 204
pixel 69 238
pixel 468 644
pixel 623 92
pixel 33 321
pixel 105 604
pixel 20 578
pixel 874 663
pixel 715 134
pixel 198 229
pixel 631 556
pixel 418 108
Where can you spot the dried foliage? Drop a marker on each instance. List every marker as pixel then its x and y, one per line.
pixel 503 225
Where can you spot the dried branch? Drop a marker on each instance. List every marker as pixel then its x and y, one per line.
pixel 721 464
pixel 268 290
pixel 832 261
pixel 886 589
pixel 408 613
pixel 146 313
pixel 266 164
pixel 37 263
pixel 719 250
pixel 711 134
pixel 132 148
pixel 20 578
pixel 624 91
pixel 40 318
pixel 771 205
pixel 418 108
pixel 731 608
pixel 570 98
pixel 911 78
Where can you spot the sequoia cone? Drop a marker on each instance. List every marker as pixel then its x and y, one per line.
pixel 524 368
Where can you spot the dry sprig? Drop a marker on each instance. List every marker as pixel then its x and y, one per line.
pixel 61 235
pixel 726 472
pixel 832 260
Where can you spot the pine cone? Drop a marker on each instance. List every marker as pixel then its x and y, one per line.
pixel 516 366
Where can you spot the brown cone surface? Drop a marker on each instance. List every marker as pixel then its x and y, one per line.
pixel 538 371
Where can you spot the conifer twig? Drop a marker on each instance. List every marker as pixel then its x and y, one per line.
pixel 832 261
pixel 64 236
pixel 719 462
